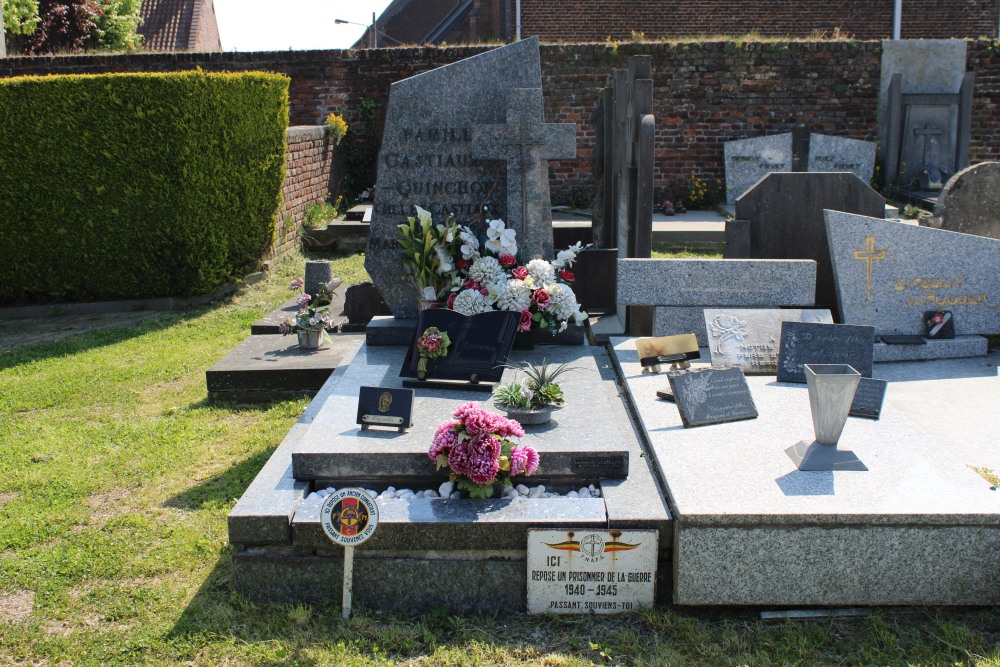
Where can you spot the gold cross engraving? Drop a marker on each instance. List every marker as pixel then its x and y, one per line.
pixel 869 255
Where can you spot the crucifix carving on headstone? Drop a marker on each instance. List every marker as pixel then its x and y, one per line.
pixel 526 143
pixel 929 133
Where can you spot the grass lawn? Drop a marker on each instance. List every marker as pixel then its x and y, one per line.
pixel 116 476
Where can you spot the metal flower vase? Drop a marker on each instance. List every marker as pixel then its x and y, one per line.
pixel 831 392
pixel 311 339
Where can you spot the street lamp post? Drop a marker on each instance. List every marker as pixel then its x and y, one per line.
pixel 372 30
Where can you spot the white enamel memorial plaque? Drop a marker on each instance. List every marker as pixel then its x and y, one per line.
pixel 591 571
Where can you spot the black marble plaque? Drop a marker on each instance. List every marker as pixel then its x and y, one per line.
pixel 939 324
pixel 711 395
pixel 610 465
pixel 811 343
pixel 868 398
pixel 385 406
pixel 479 347
pixel 903 340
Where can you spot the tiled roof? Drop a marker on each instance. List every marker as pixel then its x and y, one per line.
pixel 180 25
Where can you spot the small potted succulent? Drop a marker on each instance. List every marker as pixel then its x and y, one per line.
pixel 533 399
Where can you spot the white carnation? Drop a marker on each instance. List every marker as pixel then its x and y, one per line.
pixel 470 302
pixel 564 305
pixel 541 272
pixel 513 295
pixel 486 270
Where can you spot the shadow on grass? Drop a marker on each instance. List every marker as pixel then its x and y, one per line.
pixel 224 488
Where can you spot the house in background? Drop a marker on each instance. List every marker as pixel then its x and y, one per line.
pixel 180 25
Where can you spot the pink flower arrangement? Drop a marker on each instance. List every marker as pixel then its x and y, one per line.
pixel 476 446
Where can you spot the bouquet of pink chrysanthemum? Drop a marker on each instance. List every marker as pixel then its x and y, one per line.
pixel 476 446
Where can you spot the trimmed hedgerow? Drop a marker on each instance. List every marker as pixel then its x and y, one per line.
pixel 137 185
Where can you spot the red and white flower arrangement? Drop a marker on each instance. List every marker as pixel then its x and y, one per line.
pixel 477 448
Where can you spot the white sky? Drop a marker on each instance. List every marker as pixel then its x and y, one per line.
pixel 279 25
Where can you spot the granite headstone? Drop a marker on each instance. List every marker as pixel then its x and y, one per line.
pixel 970 202
pixel 748 337
pixel 836 154
pixel 808 343
pixel 749 160
pixel 711 396
pixel 888 274
pixel 426 157
pixel 785 219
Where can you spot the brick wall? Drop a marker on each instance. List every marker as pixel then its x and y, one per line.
pixel 309 170
pixel 597 20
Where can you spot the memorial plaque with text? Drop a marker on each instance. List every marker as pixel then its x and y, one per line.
pixel 711 396
pixel 591 571
pixel 868 398
pixel 749 160
pixel 806 343
pixel 748 337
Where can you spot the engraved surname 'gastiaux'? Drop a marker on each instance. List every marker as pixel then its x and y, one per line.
pixel 432 160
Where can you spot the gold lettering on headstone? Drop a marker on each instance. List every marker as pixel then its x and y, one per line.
pixel 869 255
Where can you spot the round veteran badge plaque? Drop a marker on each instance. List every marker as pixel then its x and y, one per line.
pixel 349 516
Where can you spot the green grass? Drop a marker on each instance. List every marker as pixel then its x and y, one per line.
pixel 116 476
pixel 668 251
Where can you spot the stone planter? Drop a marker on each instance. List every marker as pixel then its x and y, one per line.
pixel 311 339
pixel 529 417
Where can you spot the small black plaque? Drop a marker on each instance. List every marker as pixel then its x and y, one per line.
pixel 385 406
pixel 712 395
pixel 479 347
pixel 868 398
pixel 904 340
pixel 939 324
pixel 812 343
pixel 611 465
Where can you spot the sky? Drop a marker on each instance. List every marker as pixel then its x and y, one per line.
pixel 270 25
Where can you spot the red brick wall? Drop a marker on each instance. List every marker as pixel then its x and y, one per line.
pixel 984 60
pixel 309 162
pixel 597 20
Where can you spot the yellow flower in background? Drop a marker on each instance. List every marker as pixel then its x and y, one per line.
pixel 336 127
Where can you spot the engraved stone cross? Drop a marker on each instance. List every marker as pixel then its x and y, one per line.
pixel 526 143
pixel 929 133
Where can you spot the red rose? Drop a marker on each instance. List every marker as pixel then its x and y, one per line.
pixel 451 300
pixel 525 323
pixel 471 284
pixel 567 275
pixel 463 264
pixel 520 272
pixel 938 318
pixel 431 345
pixel 541 298
pixel 507 260
pixel 484 291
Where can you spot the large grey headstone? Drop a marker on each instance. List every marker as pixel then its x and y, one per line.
pixel 889 273
pixel 749 160
pixel 426 156
pixel 828 153
pixel 970 202
pixel 749 338
pixel 785 219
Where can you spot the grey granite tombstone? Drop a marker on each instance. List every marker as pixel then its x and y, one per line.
pixel 809 343
pixel 318 273
pixel 526 143
pixel 785 219
pixel 828 153
pixel 889 273
pixel 426 156
pixel 970 202
pixel 749 337
pixel 711 396
pixel 749 160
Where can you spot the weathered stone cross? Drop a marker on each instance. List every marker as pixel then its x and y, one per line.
pixel 526 143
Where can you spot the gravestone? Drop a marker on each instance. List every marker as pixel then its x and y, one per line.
pixel 749 160
pixel 427 160
pixel 970 202
pixel 888 274
pixel 836 154
pixel 808 343
pixel 785 219
pixel 711 396
pixel 749 338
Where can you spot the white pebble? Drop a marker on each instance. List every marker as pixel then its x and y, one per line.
pixel 431 493
pixel 572 494
pixel 446 489
pixel 312 496
pixel 391 489
pixel 592 488
pixel 323 494
pixel 406 495
pixel 456 495
pixel 510 492
pixel 419 494
pixel 537 492
pixel 597 493
pixel 522 489
pixel 388 494
pixel 584 492
pixel 551 495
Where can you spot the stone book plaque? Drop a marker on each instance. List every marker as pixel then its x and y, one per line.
pixel 808 343
pixel 748 337
pixel 711 395
pixel 868 398
pixel 479 347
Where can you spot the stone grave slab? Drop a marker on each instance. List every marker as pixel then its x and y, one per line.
pixel 839 154
pixel 426 157
pixel 267 365
pixel 920 527
pixel 970 202
pixel 749 160
pixel 282 555
pixel 887 274
pixel 268 325
pixel 810 343
pixel 785 219
pixel 711 396
pixel 748 337
pixel 716 282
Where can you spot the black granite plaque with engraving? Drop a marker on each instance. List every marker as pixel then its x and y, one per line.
pixel 868 398
pixel 810 343
pixel 385 406
pixel 939 324
pixel 711 395
pixel 479 346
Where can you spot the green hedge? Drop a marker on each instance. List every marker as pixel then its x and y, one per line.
pixel 137 185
